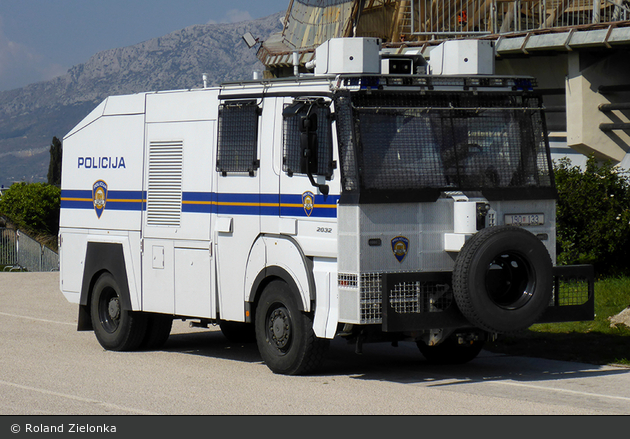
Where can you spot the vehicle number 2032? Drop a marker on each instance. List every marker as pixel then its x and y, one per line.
pixel 324 230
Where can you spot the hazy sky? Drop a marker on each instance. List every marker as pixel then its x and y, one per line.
pixel 41 39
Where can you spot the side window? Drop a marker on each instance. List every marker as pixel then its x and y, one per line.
pixel 294 160
pixel 238 137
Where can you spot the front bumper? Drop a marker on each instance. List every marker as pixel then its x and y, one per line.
pixel 422 301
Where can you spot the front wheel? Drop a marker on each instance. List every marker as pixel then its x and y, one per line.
pixel 284 334
pixel 116 329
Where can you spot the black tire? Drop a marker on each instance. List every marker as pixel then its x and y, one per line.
pixel 503 279
pixel 450 351
pixel 285 337
pixel 158 330
pixel 115 328
pixel 238 332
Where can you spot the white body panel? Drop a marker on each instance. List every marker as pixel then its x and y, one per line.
pixel 107 158
pixel 72 262
pixel 193 282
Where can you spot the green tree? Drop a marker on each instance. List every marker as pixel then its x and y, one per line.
pixel 593 216
pixel 54 167
pixel 32 207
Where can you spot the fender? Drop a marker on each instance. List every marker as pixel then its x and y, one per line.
pixel 281 257
pixel 101 257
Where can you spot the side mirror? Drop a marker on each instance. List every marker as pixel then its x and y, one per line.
pixel 308 142
pixel 309 146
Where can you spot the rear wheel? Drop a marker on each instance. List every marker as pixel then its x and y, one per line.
pixel 284 334
pixel 158 330
pixel 116 329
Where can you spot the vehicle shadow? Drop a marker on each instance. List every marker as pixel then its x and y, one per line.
pixel 403 364
pixel 212 343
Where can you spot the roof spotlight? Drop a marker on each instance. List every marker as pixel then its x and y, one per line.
pixel 250 40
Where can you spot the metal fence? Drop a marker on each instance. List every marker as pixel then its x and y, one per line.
pixel 439 18
pixel 8 249
pixel 20 252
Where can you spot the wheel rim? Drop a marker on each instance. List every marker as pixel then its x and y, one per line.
pixel 279 329
pixel 109 310
pixel 509 281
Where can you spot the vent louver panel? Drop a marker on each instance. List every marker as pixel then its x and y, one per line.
pixel 164 192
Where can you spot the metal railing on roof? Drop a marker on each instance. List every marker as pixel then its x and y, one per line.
pixel 437 19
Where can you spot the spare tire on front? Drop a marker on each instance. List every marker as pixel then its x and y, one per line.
pixel 503 279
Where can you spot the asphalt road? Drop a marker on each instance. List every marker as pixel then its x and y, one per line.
pixel 48 368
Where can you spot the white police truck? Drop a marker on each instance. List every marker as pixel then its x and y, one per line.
pixel 372 200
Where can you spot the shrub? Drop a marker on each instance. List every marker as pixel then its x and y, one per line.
pixel 32 207
pixel 593 216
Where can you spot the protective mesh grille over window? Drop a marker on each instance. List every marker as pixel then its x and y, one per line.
pixel 449 141
pixel 345 138
pixel 294 161
pixel 238 137
pixel 164 191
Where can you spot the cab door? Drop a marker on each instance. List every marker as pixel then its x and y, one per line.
pixel 309 191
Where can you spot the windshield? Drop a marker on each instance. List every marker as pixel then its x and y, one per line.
pixel 442 141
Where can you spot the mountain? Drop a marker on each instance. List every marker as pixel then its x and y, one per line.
pixel 31 116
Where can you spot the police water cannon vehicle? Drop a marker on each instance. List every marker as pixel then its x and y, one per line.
pixel 380 198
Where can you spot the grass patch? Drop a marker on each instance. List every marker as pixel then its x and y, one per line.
pixel 594 342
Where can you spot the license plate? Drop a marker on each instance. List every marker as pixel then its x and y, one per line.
pixel 526 219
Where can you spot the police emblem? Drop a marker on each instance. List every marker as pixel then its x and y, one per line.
pixel 99 196
pixel 308 201
pixel 400 246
